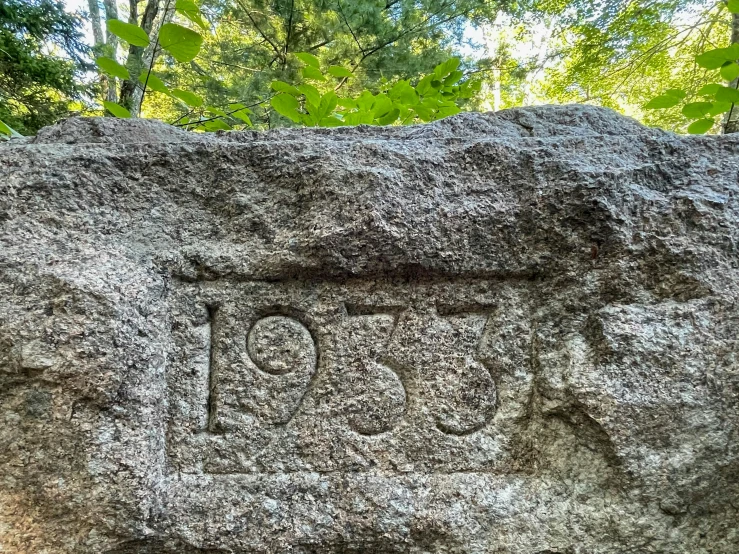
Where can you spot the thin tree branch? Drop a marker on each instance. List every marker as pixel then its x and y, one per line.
pixel 346 22
pixel 153 56
pixel 317 46
pixel 289 32
pixel 188 114
pixel 242 67
pixel 404 34
pixel 259 30
pixel 220 116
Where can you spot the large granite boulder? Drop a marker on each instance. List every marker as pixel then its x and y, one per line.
pixel 498 333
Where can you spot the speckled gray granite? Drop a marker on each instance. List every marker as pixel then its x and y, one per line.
pixel 511 333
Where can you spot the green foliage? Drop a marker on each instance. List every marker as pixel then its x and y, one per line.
pixel 718 57
pixel 7 132
pixel 219 64
pixel 42 59
pixel 308 59
pixel 112 68
pixel 697 110
pixel 435 96
pixel 189 98
pixel 617 53
pixel 116 110
pixel 182 43
pixel 132 34
pixel 668 99
pixel 287 105
pixel 191 11
pixel 367 45
pixel 701 126
pixel 152 82
pixel 714 99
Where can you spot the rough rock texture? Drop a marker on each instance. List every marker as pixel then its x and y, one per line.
pixel 502 333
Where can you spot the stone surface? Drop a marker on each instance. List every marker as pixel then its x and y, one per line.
pixel 502 333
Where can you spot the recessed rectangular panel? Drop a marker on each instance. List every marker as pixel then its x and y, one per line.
pixel 340 377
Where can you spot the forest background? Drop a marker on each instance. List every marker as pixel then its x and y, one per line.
pixel 220 64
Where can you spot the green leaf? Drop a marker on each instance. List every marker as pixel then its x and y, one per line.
pixel 112 68
pixel 308 59
pixel 311 93
pixel 730 71
pixel 727 94
pixel 352 118
pixel 281 86
pixel 709 90
pixel 433 103
pixel 454 77
pixel 243 115
pixel 286 105
pixel 676 92
pixel 423 113
pixel 662 102
pixel 696 110
pixel 719 108
pixel 327 105
pixel 338 71
pixel 424 85
pixel 403 93
pixel 216 111
pixel 365 100
pixel 238 106
pixel 446 111
pixel 117 110
pixel 701 126
pixel 132 34
pixel 713 59
pixel 190 10
pixel 445 68
pixel 182 43
pixel 733 6
pixel 381 106
pixel 189 98
pixel 216 125
pixel 331 122
pixel 310 72
pixel 154 83
pixel 8 131
pixel 347 103
pixel 475 86
pixel 389 118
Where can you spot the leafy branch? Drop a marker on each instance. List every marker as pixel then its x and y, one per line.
pixel 713 99
pixel 435 96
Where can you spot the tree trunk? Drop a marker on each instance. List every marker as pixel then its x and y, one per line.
pixel 541 56
pixel 497 99
pixel 111 48
pixel 491 34
pixel 731 124
pixel 151 53
pixel 138 57
pixel 97 29
pixel 107 83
